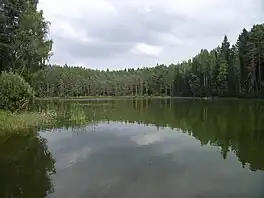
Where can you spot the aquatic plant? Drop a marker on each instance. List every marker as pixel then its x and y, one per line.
pixel 13 122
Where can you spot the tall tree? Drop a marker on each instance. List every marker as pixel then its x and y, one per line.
pixel 241 46
pixel 24 43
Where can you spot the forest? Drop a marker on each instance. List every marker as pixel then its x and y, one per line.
pixel 229 70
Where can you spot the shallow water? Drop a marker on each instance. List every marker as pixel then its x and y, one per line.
pixel 140 148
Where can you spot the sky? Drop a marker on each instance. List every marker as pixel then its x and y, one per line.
pixel 117 34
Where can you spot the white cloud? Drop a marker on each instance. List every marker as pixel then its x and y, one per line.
pixel 145 49
pixel 68 159
pixel 76 9
pixel 146 139
pixel 103 33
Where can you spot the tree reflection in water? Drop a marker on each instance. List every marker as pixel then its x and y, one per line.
pixel 26 166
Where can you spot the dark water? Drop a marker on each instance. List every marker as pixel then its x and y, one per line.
pixel 139 149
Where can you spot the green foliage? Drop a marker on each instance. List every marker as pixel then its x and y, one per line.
pixel 195 85
pixel 24 45
pixel 228 70
pixel 222 79
pixel 15 93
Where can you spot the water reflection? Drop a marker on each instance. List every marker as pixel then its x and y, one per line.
pixel 25 166
pixel 129 160
pixel 139 148
pixel 231 125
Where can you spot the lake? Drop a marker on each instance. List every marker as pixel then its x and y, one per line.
pixel 151 148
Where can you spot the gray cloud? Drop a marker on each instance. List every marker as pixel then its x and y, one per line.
pixel 80 49
pixel 134 26
pixel 107 33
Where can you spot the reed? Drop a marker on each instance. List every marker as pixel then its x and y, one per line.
pixel 16 122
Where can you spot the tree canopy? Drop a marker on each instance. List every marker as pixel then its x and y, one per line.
pixel 228 70
pixel 24 43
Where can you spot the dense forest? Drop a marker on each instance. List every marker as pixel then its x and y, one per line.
pixel 228 70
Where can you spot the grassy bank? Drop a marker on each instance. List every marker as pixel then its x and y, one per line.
pixel 15 122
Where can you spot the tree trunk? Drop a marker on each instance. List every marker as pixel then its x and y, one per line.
pixel 259 70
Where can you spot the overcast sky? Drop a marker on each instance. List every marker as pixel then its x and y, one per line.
pixel 135 33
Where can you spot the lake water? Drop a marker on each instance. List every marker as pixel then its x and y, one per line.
pixel 139 149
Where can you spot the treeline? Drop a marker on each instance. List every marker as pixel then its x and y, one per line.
pixel 228 70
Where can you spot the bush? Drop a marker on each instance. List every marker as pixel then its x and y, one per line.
pixel 15 93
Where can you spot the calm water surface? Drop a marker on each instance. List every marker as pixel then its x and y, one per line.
pixel 139 149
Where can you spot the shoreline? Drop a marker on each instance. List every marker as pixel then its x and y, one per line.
pixel 105 98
